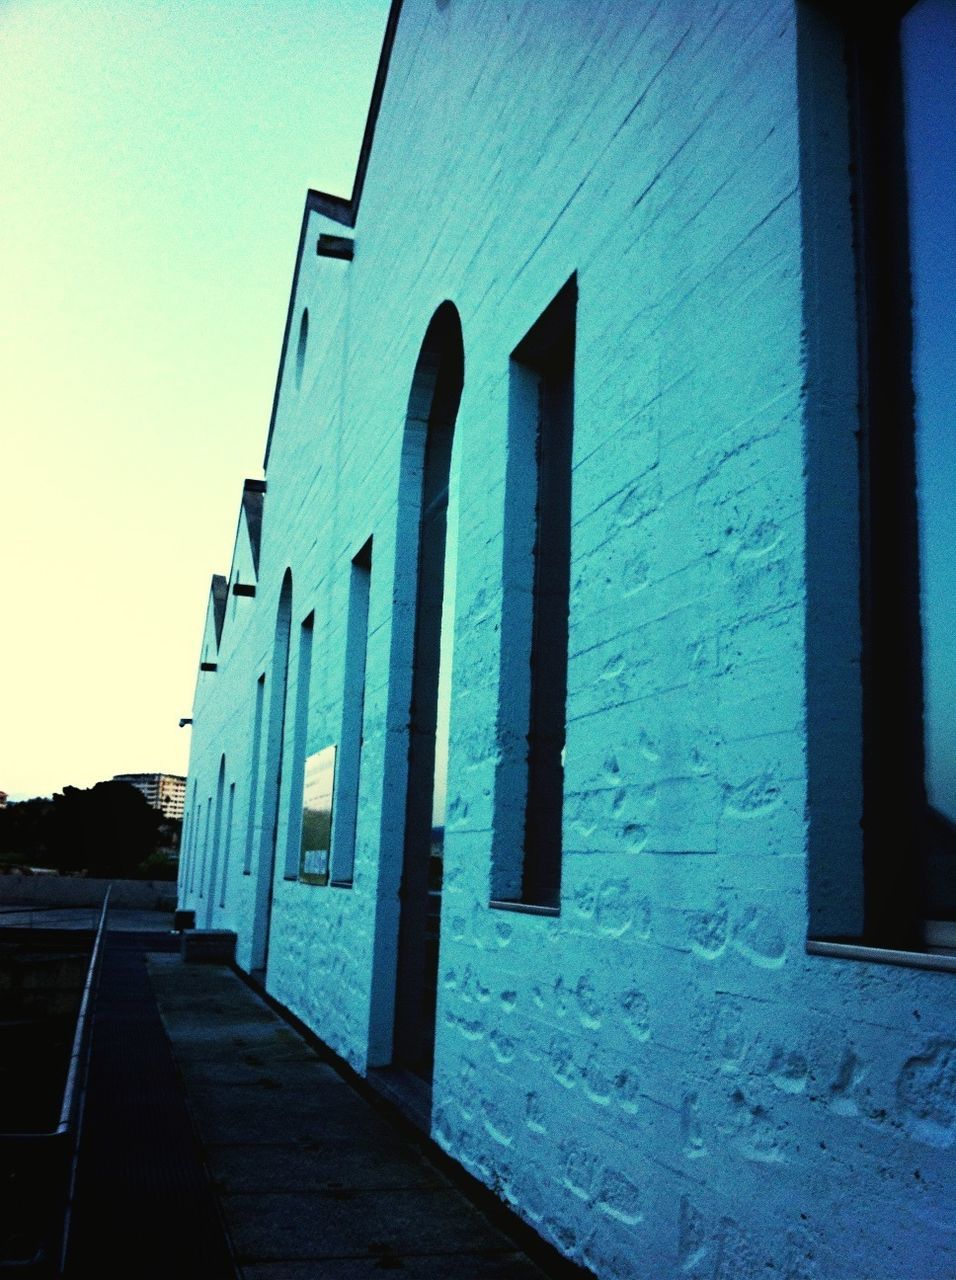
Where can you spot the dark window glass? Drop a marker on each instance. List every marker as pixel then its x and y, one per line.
pixel 545 360
pixel 903 65
pixel 345 810
pixel 300 733
pixel 928 48
pixel 255 754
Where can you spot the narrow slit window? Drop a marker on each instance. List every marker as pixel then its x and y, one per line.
pixel 903 110
pixel 537 550
pixel 227 843
pixel 194 836
pixel 345 817
pixel 928 51
pixel 300 734
pixel 254 774
pixel 205 850
pixel 186 840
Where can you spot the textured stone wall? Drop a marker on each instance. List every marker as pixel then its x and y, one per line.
pixel 659 1079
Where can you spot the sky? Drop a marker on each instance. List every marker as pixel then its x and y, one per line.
pixel 154 161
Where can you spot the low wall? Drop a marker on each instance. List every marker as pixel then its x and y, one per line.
pixel 80 891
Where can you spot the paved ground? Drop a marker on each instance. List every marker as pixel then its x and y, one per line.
pixel 217 1143
pixel 312 1180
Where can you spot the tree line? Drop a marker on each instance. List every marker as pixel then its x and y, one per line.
pixel 106 830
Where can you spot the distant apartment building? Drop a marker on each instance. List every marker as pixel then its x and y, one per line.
pixel 164 791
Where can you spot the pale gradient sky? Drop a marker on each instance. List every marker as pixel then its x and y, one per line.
pixel 154 159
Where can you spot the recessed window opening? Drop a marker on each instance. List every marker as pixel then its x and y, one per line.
pixel 345 819
pixel 301 348
pixel 216 842
pixel 193 837
pixel 272 777
pixel 255 754
pixel 186 840
pixel 537 571
pixel 299 736
pixel 227 851
pixel 928 46
pixel 194 856
pixel 205 850
pixel 904 106
pixel 433 405
pixel 447 653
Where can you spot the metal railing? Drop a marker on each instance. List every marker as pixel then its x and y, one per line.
pixel 38 1170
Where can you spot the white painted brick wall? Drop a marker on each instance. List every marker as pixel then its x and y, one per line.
pixel 660 1080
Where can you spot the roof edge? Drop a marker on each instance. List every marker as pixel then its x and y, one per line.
pixel 337 208
pixel 378 92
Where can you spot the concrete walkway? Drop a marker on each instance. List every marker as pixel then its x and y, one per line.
pixel 312 1180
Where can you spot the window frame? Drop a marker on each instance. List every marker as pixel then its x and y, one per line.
pixel 527 853
pixel 893 753
pixel 896 909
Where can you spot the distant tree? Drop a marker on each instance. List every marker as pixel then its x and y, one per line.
pixel 23 830
pixel 106 830
pixel 170 834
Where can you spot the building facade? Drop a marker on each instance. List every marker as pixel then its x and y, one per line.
pixel 164 791
pixel 546 748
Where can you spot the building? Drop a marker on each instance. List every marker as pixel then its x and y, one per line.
pixel 546 749
pixel 164 791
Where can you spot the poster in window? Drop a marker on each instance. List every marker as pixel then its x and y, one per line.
pixel 317 816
